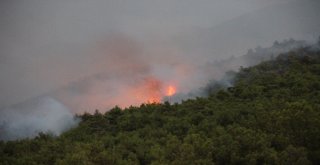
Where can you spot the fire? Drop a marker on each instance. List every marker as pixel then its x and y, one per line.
pixel 171 90
pixel 149 91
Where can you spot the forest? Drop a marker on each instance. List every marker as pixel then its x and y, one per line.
pixel 271 115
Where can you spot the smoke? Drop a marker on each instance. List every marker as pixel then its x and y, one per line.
pixel 48 44
pixel 41 115
pixel 127 75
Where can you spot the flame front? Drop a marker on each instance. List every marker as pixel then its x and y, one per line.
pixel 171 90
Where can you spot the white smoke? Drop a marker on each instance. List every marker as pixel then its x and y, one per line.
pixel 28 120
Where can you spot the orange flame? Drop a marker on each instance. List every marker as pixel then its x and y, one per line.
pixel 171 90
pixel 149 91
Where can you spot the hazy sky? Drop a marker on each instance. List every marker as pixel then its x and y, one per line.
pixel 46 45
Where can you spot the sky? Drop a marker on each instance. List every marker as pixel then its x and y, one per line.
pixel 47 44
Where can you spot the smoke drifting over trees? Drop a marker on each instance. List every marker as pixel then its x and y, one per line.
pixel 41 115
pixel 94 55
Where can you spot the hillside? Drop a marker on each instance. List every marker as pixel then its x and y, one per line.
pixel 270 116
pixel 221 72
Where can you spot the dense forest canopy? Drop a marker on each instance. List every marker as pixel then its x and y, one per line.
pixel 271 115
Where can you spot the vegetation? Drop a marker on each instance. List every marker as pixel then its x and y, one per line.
pixel 270 116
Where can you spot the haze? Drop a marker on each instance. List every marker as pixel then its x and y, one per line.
pixel 88 55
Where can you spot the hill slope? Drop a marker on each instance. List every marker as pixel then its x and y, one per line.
pixel 270 116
